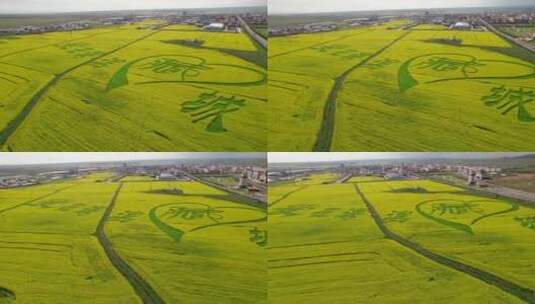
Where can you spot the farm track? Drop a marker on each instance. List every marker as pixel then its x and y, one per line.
pixel 142 288
pixel 512 288
pixel 325 134
pixel 15 123
pixel 36 199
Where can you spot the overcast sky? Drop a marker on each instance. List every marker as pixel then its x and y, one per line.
pixel 281 157
pixel 313 6
pixel 50 158
pixel 47 6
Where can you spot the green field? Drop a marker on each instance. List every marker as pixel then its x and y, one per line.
pixel 384 88
pixel 325 245
pixel 193 246
pixel 136 87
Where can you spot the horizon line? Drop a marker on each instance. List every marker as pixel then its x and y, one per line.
pixel 401 9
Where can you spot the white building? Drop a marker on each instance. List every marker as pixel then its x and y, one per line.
pixel 214 27
pixel 461 26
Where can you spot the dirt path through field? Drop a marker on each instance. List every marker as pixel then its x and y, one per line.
pixel 142 288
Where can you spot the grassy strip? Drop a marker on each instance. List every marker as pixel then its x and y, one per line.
pixel 326 132
pixel 147 294
pixel 13 125
pixel 512 288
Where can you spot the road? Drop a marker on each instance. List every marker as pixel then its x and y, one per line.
pixel 259 39
pixel 525 45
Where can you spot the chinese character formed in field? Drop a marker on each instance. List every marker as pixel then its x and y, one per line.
pixel 186 213
pixel 350 54
pixel 351 214
pixel 292 210
pixel 260 237
pixel 323 213
pixel 106 62
pixel 212 105
pixel 380 63
pixel 454 208
pixel 126 216
pixel 397 216
pixel 528 222
pixel 327 48
pixel 510 99
pixel 173 66
pixel 442 64
pixel 88 210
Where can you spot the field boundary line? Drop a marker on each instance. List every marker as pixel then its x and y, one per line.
pixel 325 134
pixel 322 256
pixel 312 244
pixel 142 288
pixel 319 263
pixel 16 122
pixel 521 292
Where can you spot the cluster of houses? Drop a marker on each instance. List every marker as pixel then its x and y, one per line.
pixel 299 29
pixel 17 181
pixel 216 23
pixel 39 29
pixel 256 20
pixel 521 17
pixel 477 175
pixel 227 23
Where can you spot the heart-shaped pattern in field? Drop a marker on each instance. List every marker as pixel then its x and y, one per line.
pixel 175 219
pixel 184 69
pixel 440 67
pixel 462 215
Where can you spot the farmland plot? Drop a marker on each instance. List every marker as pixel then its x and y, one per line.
pixel 48 249
pixel 180 240
pixel 491 234
pixel 412 105
pixel 191 242
pixel 411 90
pixel 125 81
pixel 325 247
pixel 303 71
